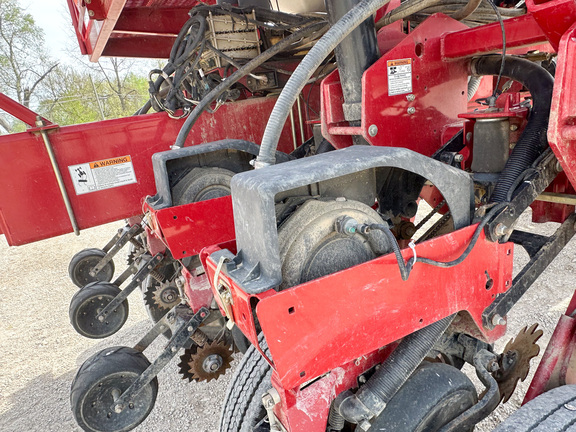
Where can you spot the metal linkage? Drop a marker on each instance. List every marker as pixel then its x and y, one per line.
pixel 135 283
pixel 541 257
pixel 124 236
pixel 40 123
pixel 186 327
pixel 484 362
pixel 537 179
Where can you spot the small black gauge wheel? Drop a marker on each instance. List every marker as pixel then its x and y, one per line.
pixel 84 261
pixel 87 304
pixel 101 380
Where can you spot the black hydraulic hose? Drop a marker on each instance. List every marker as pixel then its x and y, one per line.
pixel 311 62
pixel 406 268
pixel 373 396
pixel 236 76
pixel 533 140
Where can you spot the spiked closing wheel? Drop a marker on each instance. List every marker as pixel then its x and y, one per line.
pixel 207 362
pixel 163 296
pixel 515 361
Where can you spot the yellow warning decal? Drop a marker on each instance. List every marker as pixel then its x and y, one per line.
pixel 108 162
pixel 398 62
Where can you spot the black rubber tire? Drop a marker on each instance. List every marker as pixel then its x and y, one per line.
pixel 435 394
pixel 90 394
pixel 81 264
pixel 552 411
pixel 243 408
pixel 202 184
pixel 87 303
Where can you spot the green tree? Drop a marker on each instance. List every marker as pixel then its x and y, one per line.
pixel 24 64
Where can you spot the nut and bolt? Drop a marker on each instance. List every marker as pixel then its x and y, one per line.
pixel 498 320
pixel 373 130
pixel 118 408
pixel 212 363
pixel 501 230
pixel 268 401
pixel 410 98
pixel 411 110
pixel 91 13
pixel 364 425
pixel 513 127
pixel 458 158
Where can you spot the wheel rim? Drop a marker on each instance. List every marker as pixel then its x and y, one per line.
pixel 83 268
pixel 96 409
pixel 90 326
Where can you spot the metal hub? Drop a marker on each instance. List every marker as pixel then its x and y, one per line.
pixel 163 296
pixel 206 362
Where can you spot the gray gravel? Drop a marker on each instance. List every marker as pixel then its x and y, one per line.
pixel 40 352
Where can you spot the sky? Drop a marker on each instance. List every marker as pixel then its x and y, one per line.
pixel 53 17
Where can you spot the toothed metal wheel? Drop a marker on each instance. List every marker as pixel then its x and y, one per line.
pixel 89 302
pixel 515 360
pixel 206 363
pixel 163 296
pixel 83 262
pixel 101 380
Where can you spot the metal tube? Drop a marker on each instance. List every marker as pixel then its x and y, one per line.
pixel 40 123
pixel 302 137
pixel 293 128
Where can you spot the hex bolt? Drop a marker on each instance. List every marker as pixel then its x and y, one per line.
pixel 411 110
pixel 513 127
pixel 498 320
pixel 364 425
pixel 373 130
pixel 458 158
pixel 174 349
pixel 118 408
pixel 501 230
pixel 91 13
pixel 410 98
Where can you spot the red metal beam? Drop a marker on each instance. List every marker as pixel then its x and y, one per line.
pixel 19 111
pixel 152 20
pixel 138 46
pixel 520 32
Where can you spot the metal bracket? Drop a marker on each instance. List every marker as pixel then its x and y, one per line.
pixel 528 275
pixel 270 399
pixel 127 235
pixel 180 338
pixel 136 281
pixel 534 184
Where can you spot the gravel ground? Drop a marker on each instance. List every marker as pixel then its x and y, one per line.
pixel 40 352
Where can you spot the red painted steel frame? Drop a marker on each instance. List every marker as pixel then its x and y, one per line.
pixel 562 130
pixel 211 222
pixel 317 326
pixel 32 207
pixel 129 28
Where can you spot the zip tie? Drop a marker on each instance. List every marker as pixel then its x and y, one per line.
pixel 413 247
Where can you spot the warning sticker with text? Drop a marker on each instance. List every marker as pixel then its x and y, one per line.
pixel 102 174
pixel 399 76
